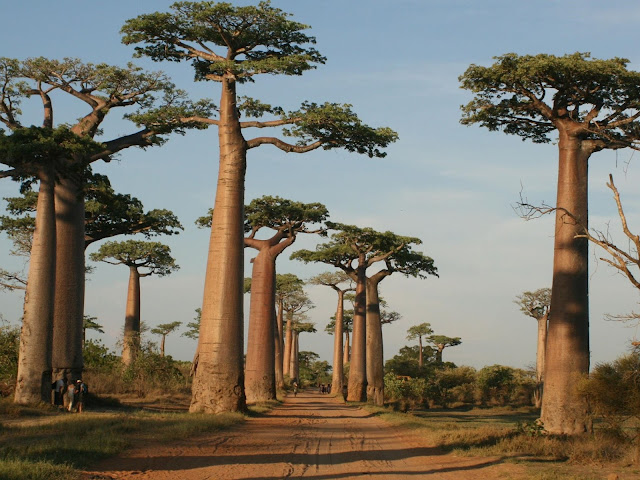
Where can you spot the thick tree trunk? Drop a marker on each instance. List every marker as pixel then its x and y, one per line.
pixel 347 348
pixel 338 371
pixel 131 336
pixel 375 362
pixel 295 361
pixel 540 353
pixel 70 280
pixel 260 385
pixel 279 347
pixel 162 343
pixel 420 353
pixel 357 390
pixel 288 344
pixel 564 411
pixel 34 358
pixel 218 383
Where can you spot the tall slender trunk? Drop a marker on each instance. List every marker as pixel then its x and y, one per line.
pixel 564 411
pixel 375 362
pixel 260 384
pixel 357 391
pixel 162 343
pixel 338 371
pixel 218 382
pixel 131 336
pixel 347 348
pixel 420 353
pixel 295 362
pixel 288 344
pixel 540 353
pixel 34 358
pixel 70 279
pixel 279 347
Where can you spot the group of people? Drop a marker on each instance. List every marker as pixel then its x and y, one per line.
pixel 69 396
pixel 325 388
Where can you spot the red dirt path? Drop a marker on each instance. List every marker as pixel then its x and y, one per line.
pixel 312 436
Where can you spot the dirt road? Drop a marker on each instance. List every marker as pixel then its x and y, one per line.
pixel 311 436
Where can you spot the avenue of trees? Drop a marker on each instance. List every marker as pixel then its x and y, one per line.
pixel 586 105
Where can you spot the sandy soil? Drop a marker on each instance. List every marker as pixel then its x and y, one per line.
pixel 311 436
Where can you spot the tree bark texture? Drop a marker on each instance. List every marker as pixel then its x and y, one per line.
pixel 34 359
pixel 279 347
pixel 347 348
pixel 564 411
pixel 540 353
pixel 288 344
pixel 70 280
pixel 420 353
pixel 131 336
pixel 218 383
pixel 295 362
pixel 357 387
pixel 260 382
pixel 337 378
pixel 374 359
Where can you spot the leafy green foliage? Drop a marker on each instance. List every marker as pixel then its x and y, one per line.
pixel 282 214
pixel 349 241
pixel 193 328
pixel 9 346
pixel 613 390
pixel 154 257
pixel 535 304
pixel 312 370
pixel 251 40
pixel 97 356
pixel 419 331
pixel 337 126
pixel 531 95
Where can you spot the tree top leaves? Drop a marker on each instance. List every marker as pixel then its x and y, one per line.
pixel 337 126
pixel 225 40
pixel 532 95
pixel 153 256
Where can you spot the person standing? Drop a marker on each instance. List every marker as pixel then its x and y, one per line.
pixel 80 392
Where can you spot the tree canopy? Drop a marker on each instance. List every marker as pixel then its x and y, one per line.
pixel 154 257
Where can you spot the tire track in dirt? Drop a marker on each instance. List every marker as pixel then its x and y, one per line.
pixel 309 436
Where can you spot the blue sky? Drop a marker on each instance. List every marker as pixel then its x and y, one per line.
pixel 397 62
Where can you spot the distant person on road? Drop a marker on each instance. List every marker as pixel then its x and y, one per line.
pixel 60 387
pixel 295 389
pixel 81 391
pixel 71 393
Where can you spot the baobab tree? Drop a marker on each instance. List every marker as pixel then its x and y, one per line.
pixel 353 250
pixel 419 331
pixel 286 284
pixel 231 45
pixel 163 330
pixel 441 342
pixel 287 219
pixel 536 305
pixel 334 280
pixel 90 323
pixel 153 258
pixel 586 105
pixel 295 305
pixel 193 327
pixel 299 325
pixel 101 88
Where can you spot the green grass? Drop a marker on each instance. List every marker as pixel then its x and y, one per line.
pixel 67 443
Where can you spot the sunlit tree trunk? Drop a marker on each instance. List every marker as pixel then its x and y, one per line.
pixel 564 411
pixel 540 353
pixel 421 352
pixel 260 383
pixel 288 344
pixel 218 383
pixel 357 389
pixel 347 348
pixel 279 347
pixel 375 367
pixel 338 361
pixel 34 359
pixel 70 280
pixel 131 336
pixel 295 361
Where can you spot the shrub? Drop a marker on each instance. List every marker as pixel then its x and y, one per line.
pixel 9 346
